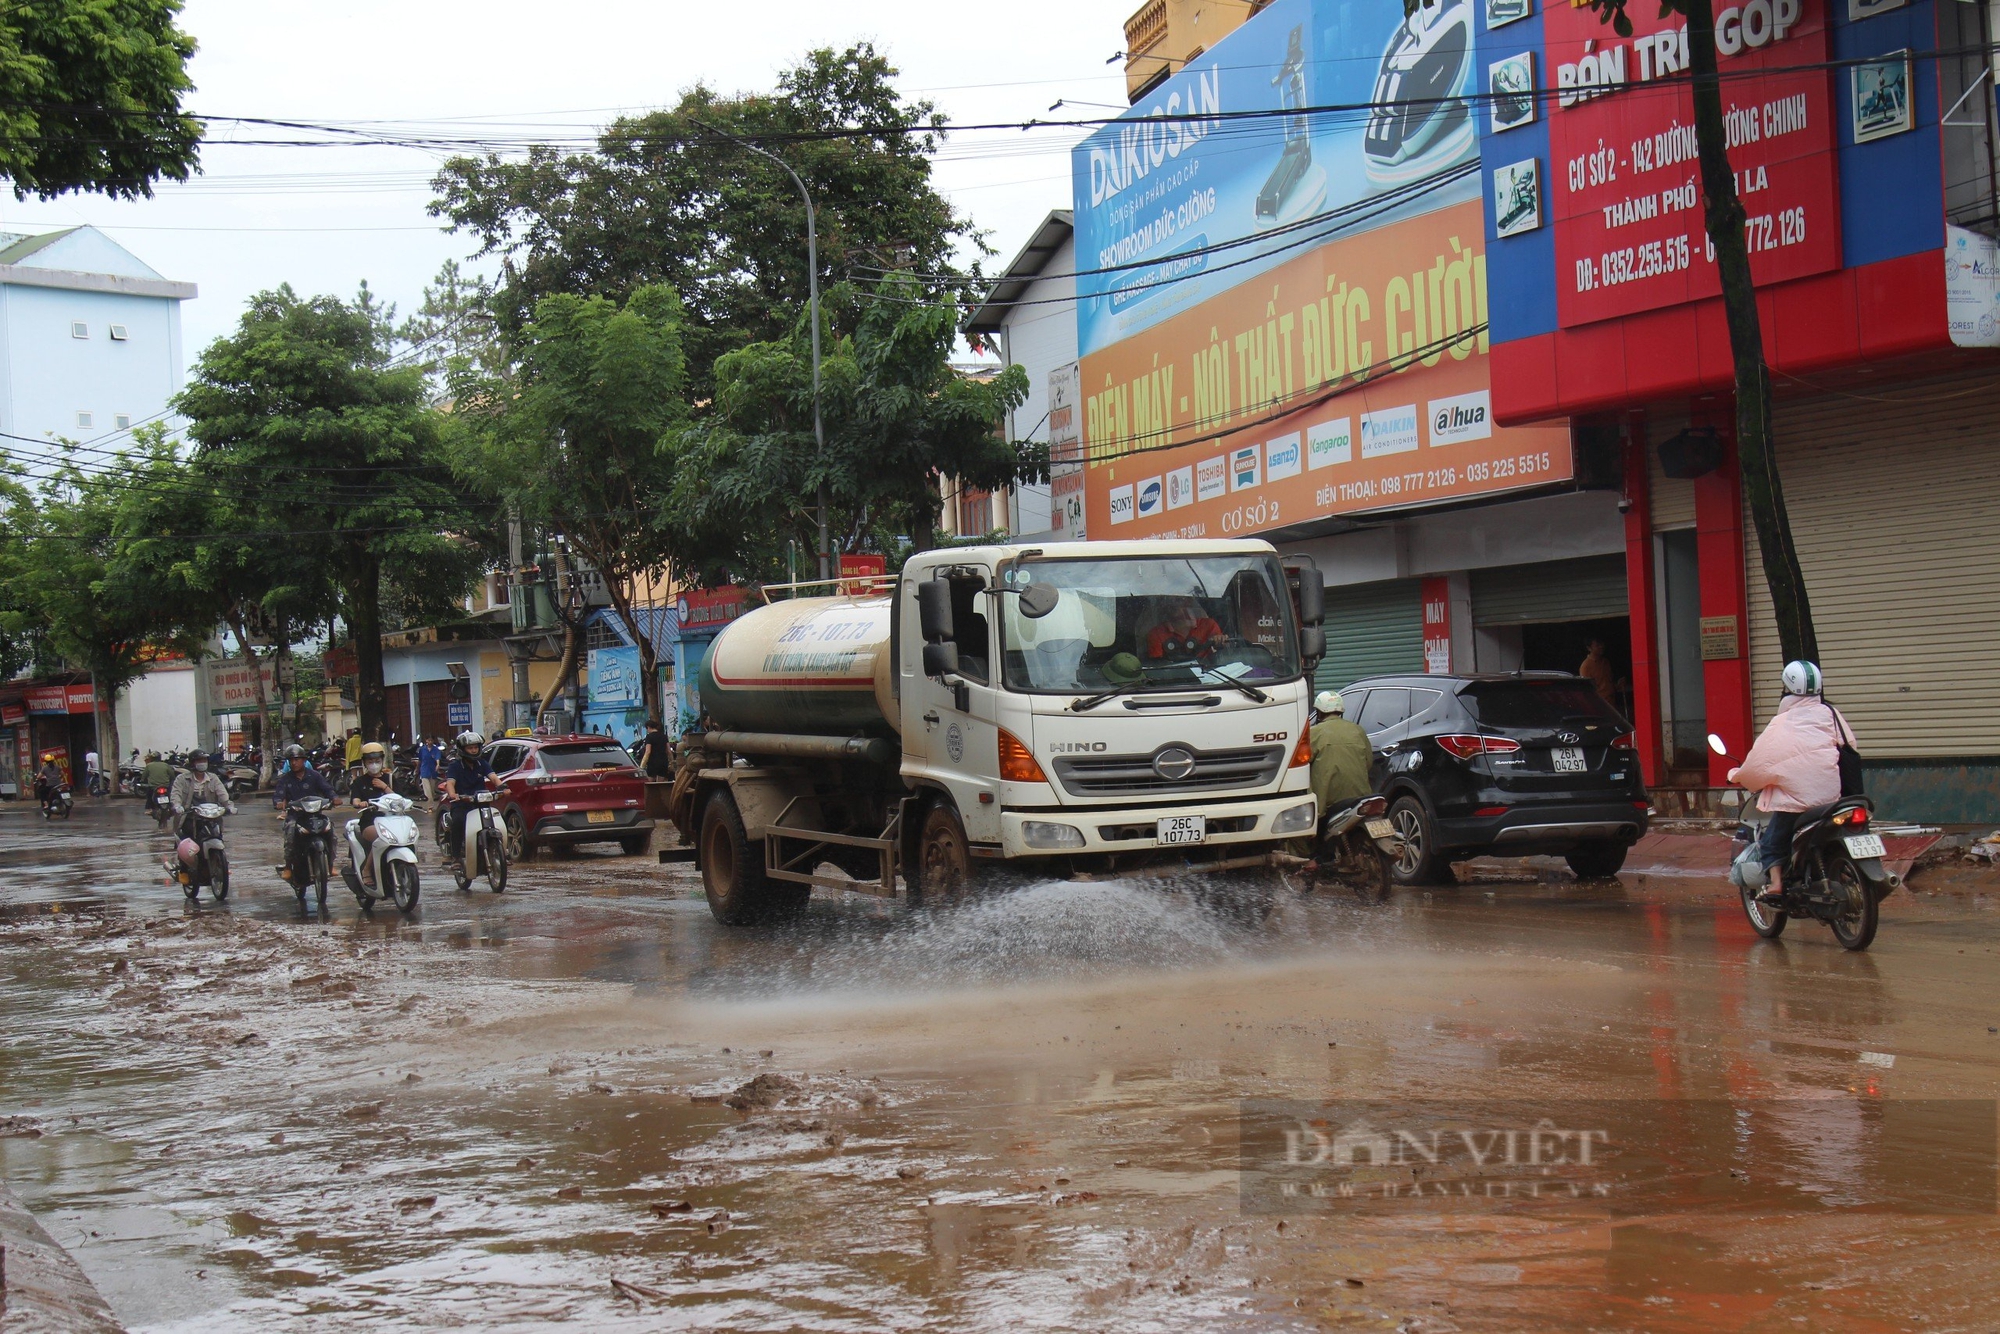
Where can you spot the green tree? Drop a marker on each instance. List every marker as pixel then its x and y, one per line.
pixel 668 198
pixel 572 441
pixel 1723 215
pixel 93 99
pixel 897 416
pixel 319 436
pixel 67 588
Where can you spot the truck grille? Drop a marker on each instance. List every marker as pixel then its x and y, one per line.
pixel 1214 771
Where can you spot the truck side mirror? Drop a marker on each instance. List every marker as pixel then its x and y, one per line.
pixel 941 660
pixel 1312 643
pixel 1312 598
pixel 934 614
pixel 1038 600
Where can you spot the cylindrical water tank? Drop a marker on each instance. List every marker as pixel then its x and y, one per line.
pixel 816 666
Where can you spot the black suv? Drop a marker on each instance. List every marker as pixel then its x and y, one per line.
pixel 1516 764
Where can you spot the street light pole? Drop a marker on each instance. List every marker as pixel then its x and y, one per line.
pixel 812 294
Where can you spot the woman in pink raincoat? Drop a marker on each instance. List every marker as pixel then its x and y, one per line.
pixel 1793 767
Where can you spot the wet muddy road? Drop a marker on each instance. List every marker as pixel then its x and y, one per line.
pixel 583 1102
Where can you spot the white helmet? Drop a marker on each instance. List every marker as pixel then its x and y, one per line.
pixel 1802 678
pixel 1330 703
pixel 470 740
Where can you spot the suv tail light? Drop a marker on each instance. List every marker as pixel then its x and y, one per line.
pixel 1624 741
pixel 1465 747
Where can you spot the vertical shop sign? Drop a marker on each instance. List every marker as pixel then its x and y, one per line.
pixel 1436 593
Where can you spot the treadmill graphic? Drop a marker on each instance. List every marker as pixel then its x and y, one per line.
pixel 1297 155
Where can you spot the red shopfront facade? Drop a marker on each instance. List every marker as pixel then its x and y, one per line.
pixel 1605 298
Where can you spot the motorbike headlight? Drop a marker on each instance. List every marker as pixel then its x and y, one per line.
pixel 1294 819
pixel 1047 834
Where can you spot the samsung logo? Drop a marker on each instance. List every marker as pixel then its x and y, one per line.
pixel 1150 493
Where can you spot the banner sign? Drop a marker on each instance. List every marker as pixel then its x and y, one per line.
pixel 708 607
pixel 232 685
pixel 614 678
pixel 53 700
pixel 1351 378
pixel 13 711
pixel 1172 211
pixel 1623 173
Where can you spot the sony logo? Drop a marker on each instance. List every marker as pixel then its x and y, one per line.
pixel 1074 747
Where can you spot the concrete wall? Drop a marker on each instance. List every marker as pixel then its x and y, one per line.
pixel 1039 338
pixel 161 711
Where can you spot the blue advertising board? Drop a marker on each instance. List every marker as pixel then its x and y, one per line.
pixel 1178 210
pixel 614 678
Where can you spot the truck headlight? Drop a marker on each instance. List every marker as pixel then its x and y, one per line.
pixel 1045 834
pixel 1294 819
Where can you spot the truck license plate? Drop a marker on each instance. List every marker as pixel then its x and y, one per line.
pixel 601 817
pixel 1569 759
pixel 1380 829
pixel 1864 845
pixel 1173 829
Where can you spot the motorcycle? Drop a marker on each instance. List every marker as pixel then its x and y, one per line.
pixel 484 850
pixel 241 778
pixel 391 858
pixel 99 783
pixel 157 807
pixel 1835 873
pixel 201 859
pixel 310 837
pixel 57 803
pixel 1357 846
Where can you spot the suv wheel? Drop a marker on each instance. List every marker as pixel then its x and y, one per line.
pixel 1418 863
pixel 1595 861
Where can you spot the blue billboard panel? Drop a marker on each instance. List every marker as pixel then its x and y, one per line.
pixel 1208 182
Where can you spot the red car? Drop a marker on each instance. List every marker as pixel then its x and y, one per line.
pixel 565 790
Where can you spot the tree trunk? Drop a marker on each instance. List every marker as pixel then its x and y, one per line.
pixel 107 734
pixel 364 623
pixel 1754 449
pixel 572 636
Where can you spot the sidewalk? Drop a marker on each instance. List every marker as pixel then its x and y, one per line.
pixel 42 1290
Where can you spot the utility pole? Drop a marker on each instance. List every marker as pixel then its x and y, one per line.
pixel 812 291
pixel 517 591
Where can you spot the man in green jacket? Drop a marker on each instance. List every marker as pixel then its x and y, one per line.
pixel 1341 754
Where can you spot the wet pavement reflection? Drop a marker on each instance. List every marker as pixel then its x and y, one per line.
pixel 583 1102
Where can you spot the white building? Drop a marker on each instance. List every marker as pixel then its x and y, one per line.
pixel 90 339
pixel 1030 314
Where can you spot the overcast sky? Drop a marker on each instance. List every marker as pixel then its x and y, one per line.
pixel 323 219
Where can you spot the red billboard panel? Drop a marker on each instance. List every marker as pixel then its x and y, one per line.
pixel 1625 180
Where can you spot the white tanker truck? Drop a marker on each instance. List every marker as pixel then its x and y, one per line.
pixel 1080 706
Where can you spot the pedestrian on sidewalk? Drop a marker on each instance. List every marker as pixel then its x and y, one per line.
pixel 427 768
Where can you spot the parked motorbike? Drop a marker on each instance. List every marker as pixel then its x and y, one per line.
pixel 391 858
pixel 310 836
pixel 1357 846
pixel 201 859
pixel 57 802
pixel 484 850
pixel 241 778
pixel 99 783
pixel 403 778
pixel 1835 874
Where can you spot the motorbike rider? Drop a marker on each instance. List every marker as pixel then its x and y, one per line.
pixel 192 788
pixel 48 778
pixel 299 779
pixel 469 771
pixel 158 773
pixel 1794 766
pixel 1340 754
pixel 370 782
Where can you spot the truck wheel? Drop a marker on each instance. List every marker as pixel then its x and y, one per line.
pixel 943 870
pixel 1418 864
pixel 732 870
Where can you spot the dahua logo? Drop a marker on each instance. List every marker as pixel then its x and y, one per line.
pixel 1461 417
pixel 1456 418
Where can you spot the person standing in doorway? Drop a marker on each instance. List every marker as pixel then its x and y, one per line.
pixel 427 768
pixel 1597 670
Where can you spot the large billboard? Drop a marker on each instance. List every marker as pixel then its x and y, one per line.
pixel 1288 315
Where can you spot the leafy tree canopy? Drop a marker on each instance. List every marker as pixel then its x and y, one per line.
pixel 666 198
pixel 93 98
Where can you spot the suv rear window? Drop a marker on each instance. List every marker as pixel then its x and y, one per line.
pixel 1536 703
pixel 574 759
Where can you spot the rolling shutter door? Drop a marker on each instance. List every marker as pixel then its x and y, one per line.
pixel 1371 629
pixel 434 709
pixel 399 712
pixel 1893 509
pixel 1554 590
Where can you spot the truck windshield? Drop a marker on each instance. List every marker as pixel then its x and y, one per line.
pixel 1149 623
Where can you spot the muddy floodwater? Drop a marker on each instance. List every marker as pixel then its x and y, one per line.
pixel 1518 1102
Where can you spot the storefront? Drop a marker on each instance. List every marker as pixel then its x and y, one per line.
pixel 699 615
pixel 1879 325
pixel 51 716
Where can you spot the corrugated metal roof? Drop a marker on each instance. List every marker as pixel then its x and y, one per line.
pixel 660 624
pixel 1021 272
